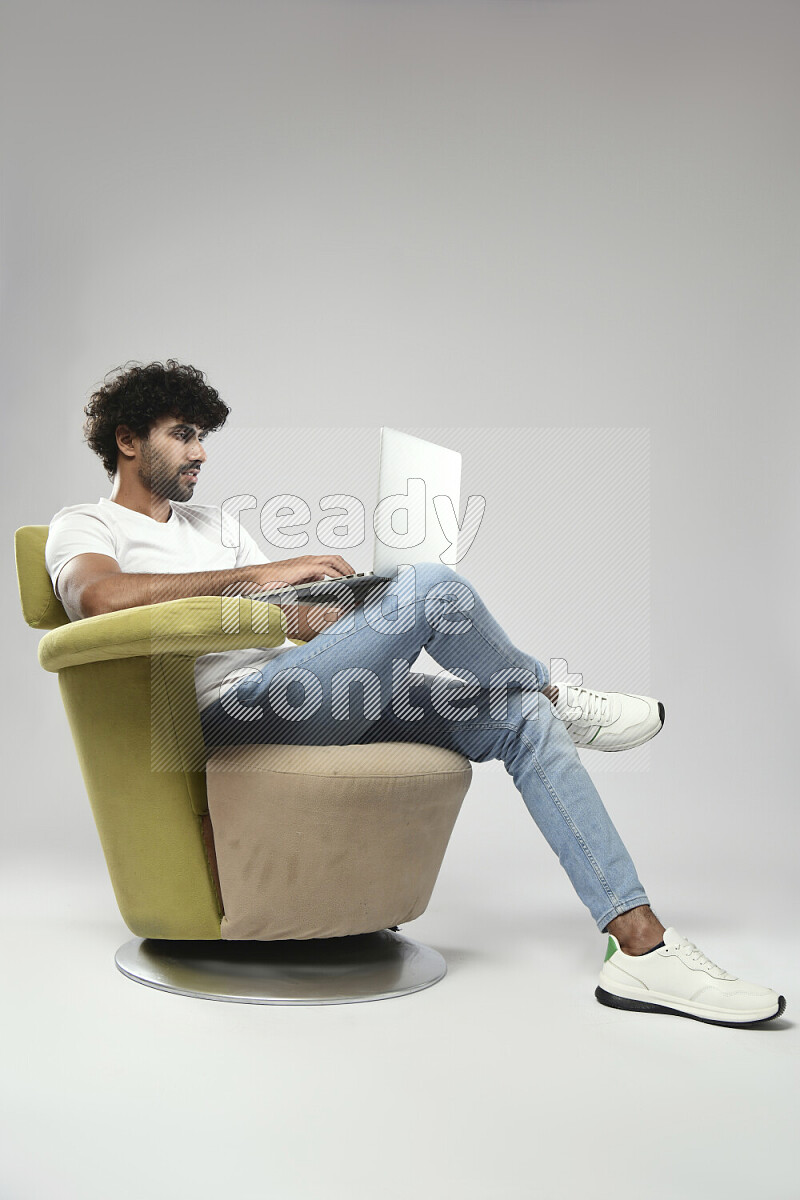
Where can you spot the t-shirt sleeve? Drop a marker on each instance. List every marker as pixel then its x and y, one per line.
pixel 72 534
pixel 249 553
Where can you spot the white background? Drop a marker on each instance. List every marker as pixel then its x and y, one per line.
pixel 524 216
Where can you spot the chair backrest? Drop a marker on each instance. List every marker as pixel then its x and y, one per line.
pixel 41 607
pixel 153 824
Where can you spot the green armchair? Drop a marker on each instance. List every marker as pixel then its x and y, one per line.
pixel 127 684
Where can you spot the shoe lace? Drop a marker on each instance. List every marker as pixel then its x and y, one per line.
pixel 591 706
pixel 695 955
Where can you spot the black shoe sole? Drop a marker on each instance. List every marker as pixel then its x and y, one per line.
pixel 661 714
pixel 612 1001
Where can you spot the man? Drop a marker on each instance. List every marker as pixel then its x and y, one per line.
pixel 147 543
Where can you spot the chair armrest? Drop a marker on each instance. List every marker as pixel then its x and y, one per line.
pixel 189 627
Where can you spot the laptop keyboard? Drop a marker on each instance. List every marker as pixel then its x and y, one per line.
pixel 325 591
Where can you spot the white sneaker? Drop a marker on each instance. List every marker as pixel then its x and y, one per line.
pixel 608 720
pixel 678 978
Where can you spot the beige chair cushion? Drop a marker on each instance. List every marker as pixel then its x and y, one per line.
pixel 326 841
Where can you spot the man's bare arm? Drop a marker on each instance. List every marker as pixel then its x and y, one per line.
pixel 92 584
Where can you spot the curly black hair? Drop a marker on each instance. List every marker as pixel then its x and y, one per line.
pixel 136 395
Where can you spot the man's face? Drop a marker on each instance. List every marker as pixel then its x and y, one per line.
pixel 170 458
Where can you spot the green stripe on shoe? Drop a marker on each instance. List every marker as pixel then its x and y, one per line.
pixel 610 949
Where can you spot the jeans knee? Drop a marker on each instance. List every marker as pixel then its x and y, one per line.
pixel 426 574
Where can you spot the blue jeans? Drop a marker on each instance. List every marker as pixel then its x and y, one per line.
pixel 493 709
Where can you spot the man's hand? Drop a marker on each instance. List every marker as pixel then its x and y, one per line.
pixel 305 621
pixel 307 568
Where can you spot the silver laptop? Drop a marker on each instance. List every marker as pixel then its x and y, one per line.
pixel 419 487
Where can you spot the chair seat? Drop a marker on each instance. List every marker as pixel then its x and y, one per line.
pixel 329 841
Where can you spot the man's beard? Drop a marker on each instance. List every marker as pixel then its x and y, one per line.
pixel 160 478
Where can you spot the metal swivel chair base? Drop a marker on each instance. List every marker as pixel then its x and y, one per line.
pixel 344 970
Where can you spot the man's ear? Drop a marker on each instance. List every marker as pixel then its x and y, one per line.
pixel 126 439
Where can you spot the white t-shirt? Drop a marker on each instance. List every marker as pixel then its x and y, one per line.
pixel 191 540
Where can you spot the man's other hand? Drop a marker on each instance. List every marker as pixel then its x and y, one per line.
pixel 305 621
